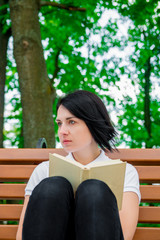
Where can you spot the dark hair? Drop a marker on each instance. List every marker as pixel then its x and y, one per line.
pixel 90 108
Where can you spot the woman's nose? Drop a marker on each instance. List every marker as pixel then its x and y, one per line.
pixel 63 129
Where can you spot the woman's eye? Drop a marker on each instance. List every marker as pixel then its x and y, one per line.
pixel 59 124
pixel 71 122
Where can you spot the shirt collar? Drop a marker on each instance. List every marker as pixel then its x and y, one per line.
pixel 101 157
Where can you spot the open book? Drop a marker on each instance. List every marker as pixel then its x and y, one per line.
pixel 112 172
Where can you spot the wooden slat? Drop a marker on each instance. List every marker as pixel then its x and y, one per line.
pixel 8 232
pixel 150 193
pixel 149 215
pixel 134 156
pixel 27 154
pixel 143 233
pixel 138 156
pixel 12 191
pixel 149 173
pixel 146 214
pixel 13 172
pixel 21 172
pixel 10 211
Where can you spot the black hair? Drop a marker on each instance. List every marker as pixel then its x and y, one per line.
pixel 89 107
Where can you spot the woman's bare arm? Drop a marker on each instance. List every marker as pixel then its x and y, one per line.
pixel 129 214
pixel 19 232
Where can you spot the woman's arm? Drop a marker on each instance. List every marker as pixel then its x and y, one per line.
pixel 129 214
pixel 19 232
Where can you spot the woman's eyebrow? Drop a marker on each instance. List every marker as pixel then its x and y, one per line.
pixel 66 118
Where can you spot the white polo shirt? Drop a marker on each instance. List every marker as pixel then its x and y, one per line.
pixel 131 183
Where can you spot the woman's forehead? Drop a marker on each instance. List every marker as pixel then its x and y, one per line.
pixel 64 113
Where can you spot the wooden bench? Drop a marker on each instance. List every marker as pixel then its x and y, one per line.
pixel 16 165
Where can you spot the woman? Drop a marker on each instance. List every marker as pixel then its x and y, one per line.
pixel 51 210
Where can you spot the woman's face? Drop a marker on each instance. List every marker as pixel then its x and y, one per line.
pixel 73 133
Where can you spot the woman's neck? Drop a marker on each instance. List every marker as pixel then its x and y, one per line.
pixel 85 157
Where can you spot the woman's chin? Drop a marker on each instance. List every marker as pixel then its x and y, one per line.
pixel 68 149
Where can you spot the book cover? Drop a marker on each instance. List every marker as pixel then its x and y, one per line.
pixel 112 172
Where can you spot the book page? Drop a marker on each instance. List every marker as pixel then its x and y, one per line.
pixel 58 166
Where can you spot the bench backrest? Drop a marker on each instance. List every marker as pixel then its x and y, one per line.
pixel 16 166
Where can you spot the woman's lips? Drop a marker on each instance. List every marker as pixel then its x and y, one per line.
pixel 66 141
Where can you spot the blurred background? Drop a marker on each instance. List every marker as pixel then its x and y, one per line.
pixel 49 48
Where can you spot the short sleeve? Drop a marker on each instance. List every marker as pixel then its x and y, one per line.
pixel 39 173
pixel 131 183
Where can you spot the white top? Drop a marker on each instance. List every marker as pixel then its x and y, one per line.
pixel 131 183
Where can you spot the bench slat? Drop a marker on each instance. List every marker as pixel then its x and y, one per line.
pixel 8 232
pixel 147 233
pixel 13 212
pixel 28 155
pixel 149 215
pixel 14 172
pixel 148 193
pixel 12 191
pixel 23 172
pixel 134 156
pixel 149 173
pixel 10 211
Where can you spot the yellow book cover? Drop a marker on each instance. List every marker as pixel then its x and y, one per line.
pixel 112 172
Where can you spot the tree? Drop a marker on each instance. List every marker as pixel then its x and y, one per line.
pixel 37 83
pixel 5 33
pixel 36 90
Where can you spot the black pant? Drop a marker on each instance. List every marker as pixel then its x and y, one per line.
pixel 54 214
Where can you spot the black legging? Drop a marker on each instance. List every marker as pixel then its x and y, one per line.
pixel 54 214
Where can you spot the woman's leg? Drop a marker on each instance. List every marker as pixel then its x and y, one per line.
pixel 50 211
pixel 96 212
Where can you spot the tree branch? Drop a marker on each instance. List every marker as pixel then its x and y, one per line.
pixel 62 6
pixel 57 68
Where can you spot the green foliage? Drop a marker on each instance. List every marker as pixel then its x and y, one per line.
pixel 66 32
pixel 5 17
pixel 14 135
pixel 144 34
pixel 77 50
pixel 131 123
pixel 66 66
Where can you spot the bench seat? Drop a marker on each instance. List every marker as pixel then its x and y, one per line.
pixel 16 166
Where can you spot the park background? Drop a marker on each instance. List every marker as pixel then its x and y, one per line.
pixel 49 48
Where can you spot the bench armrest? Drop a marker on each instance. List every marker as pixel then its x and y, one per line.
pixel 42 143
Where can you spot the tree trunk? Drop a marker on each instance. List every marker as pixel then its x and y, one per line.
pixel 36 91
pixel 4 37
pixel 147 115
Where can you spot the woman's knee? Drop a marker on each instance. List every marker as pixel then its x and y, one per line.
pixel 97 191
pixel 53 187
